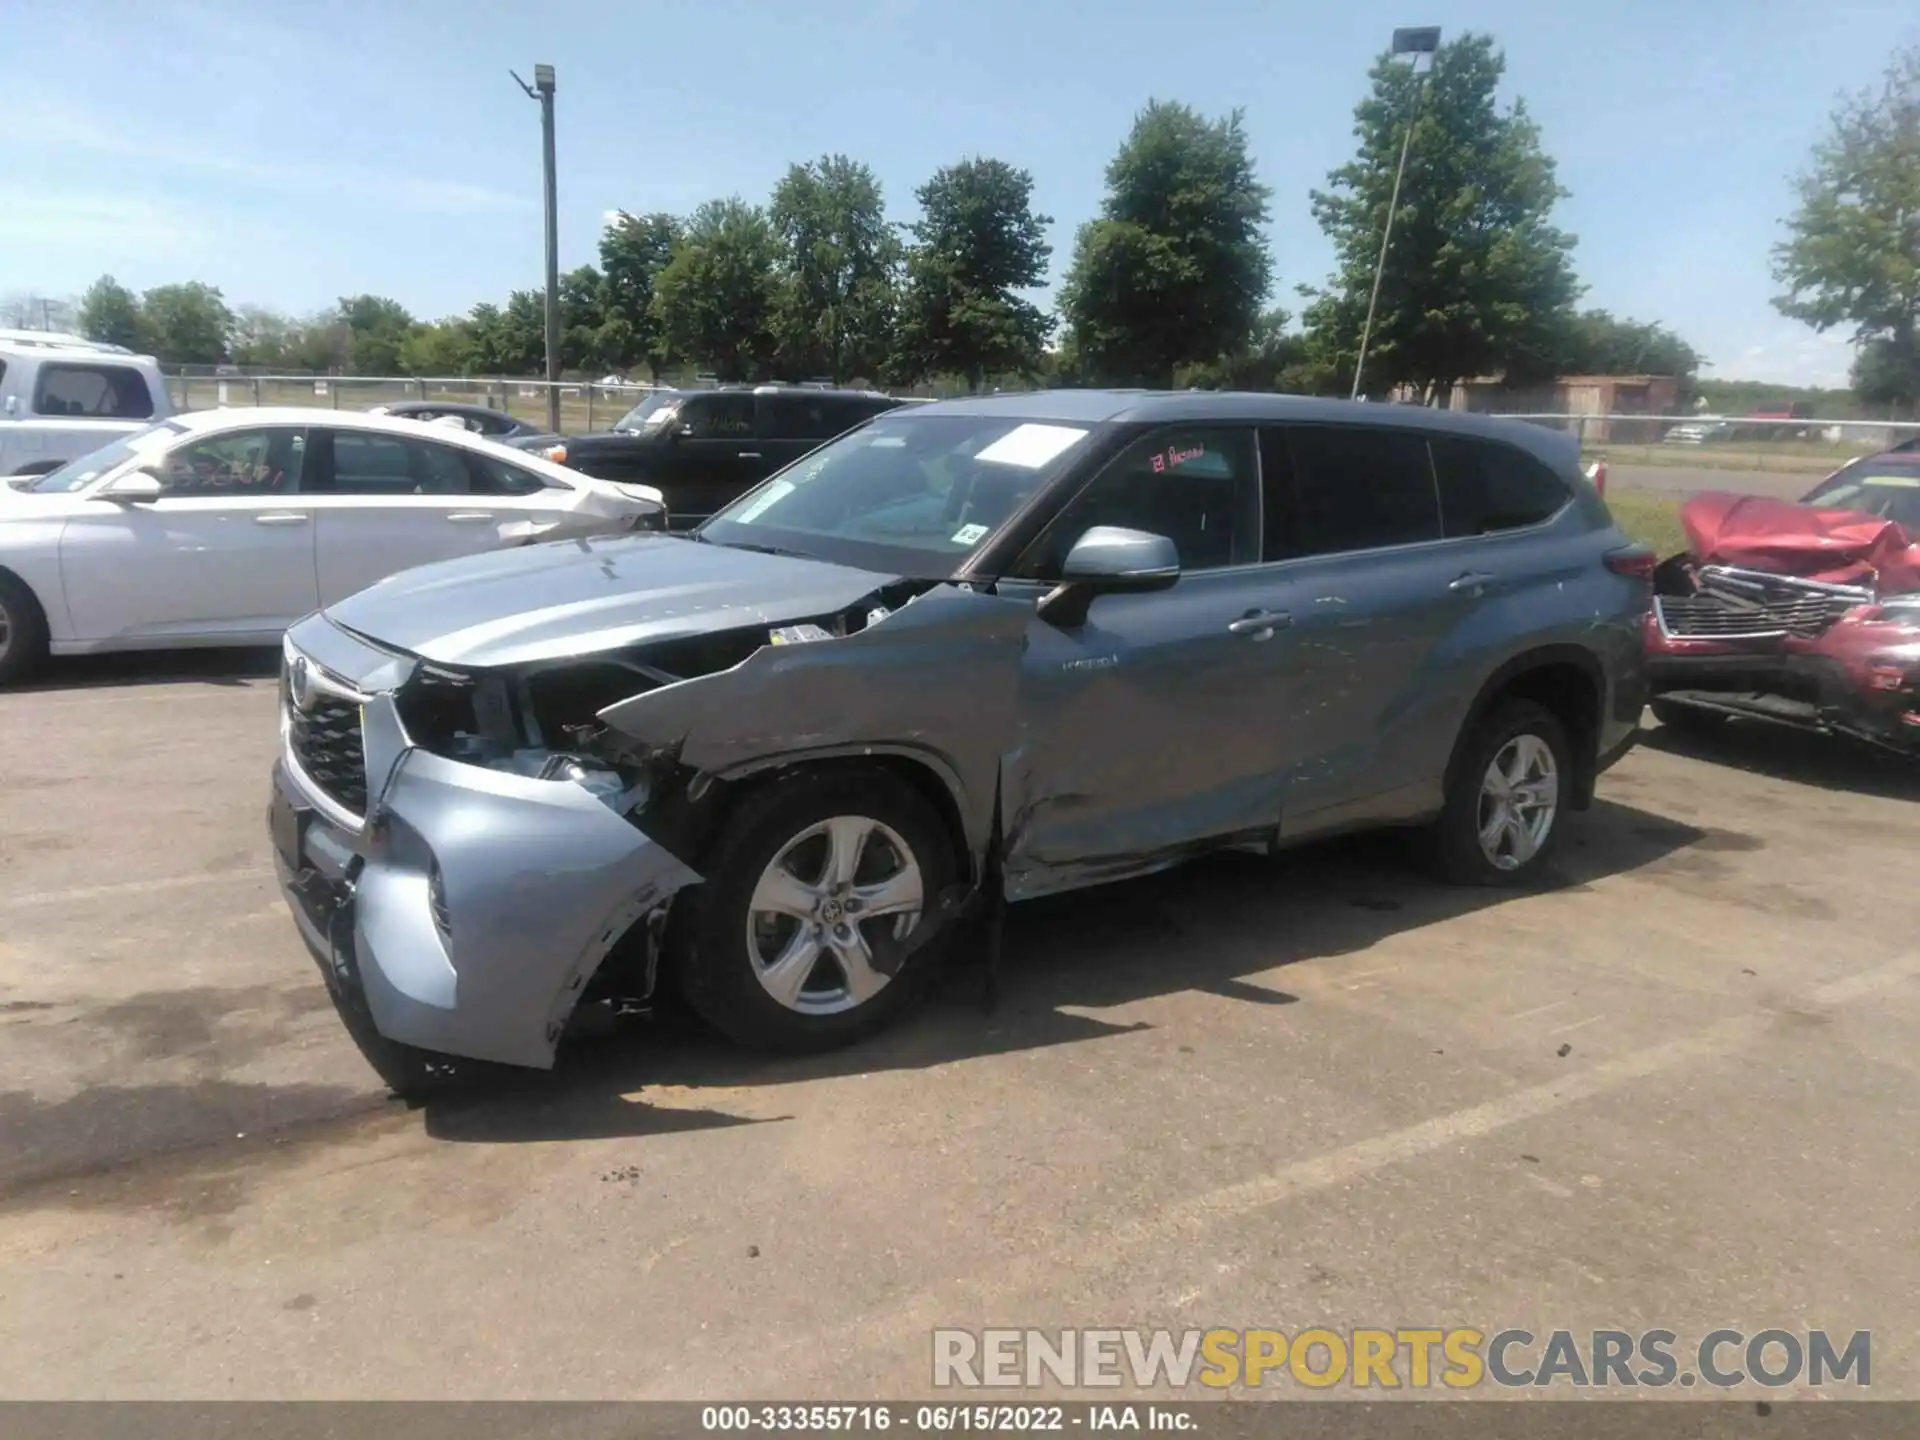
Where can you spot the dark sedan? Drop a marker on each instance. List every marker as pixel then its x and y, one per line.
pixel 494 424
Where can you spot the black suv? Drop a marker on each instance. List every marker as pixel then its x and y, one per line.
pixel 703 448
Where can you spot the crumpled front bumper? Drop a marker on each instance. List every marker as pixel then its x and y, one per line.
pixel 469 909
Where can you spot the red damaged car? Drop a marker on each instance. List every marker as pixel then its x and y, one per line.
pixel 1807 613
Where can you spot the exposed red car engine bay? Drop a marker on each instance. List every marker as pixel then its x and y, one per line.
pixel 1789 612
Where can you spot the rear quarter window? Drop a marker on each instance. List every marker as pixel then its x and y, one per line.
pixel 1487 487
pixel 92 391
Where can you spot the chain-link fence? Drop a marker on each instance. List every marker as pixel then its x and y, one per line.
pixel 583 407
pixel 1758 442
pixel 1749 443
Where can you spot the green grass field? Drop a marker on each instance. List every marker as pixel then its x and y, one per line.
pixel 1650 518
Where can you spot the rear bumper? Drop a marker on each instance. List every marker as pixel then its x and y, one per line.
pixel 467 915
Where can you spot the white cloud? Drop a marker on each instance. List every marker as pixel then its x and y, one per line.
pixel 77 219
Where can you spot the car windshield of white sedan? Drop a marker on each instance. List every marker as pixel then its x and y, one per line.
pixel 937 483
pixel 78 474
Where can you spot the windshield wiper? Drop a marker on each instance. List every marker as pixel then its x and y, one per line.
pixel 758 549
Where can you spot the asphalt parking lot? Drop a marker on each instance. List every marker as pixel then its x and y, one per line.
pixel 1674 1088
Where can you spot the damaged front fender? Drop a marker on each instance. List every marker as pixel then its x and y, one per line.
pixel 935 682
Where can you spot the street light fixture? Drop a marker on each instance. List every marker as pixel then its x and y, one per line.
pixel 1416 40
pixel 542 90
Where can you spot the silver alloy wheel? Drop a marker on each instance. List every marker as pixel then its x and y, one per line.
pixel 828 892
pixel 1519 801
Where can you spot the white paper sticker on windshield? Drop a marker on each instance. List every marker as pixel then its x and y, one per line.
pixel 773 494
pixel 969 534
pixel 1031 446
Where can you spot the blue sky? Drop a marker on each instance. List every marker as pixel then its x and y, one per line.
pixel 292 152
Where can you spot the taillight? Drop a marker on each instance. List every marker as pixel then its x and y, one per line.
pixel 1636 562
pixel 1597 473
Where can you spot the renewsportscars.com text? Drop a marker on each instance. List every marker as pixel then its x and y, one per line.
pixel 1411 1358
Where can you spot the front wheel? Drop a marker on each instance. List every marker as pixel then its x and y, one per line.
pixel 811 875
pixel 1503 809
pixel 23 631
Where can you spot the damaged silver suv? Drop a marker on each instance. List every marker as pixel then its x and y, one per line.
pixel 968 654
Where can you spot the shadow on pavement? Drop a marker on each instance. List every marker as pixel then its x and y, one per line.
pixel 157 667
pixel 1830 762
pixel 1207 926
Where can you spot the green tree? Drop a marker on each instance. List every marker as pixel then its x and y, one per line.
pixel 977 242
pixel 263 339
pixel 1477 281
pixel 841 270
pixel 1176 267
pixel 1273 357
pixel 1852 252
pixel 378 326
pixel 1596 343
pixel 583 320
pixel 634 249
pixel 519 334
pixel 1884 376
pixel 715 302
pixel 110 313
pixel 187 324
pixel 445 347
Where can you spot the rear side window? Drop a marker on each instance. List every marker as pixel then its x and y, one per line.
pixel 1337 488
pixel 803 417
pixel 497 477
pixel 100 392
pixel 1486 487
pixel 389 465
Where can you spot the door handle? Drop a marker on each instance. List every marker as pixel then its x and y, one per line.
pixel 469 517
pixel 280 517
pixel 1260 624
pixel 749 455
pixel 1472 580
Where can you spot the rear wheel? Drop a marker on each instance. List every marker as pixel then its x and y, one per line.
pixel 1504 807
pixel 809 876
pixel 1688 721
pixel 23 631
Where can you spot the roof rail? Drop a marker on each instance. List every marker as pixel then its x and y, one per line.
pixel 58 340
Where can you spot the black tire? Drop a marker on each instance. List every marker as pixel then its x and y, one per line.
pixel 1456 848
pixel 718 976
pixel 1688 721
pixel 23 631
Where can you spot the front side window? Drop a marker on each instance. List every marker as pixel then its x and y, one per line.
pixel 240 464
pixel 1198 486
pixel 1487 487
pixel 390 465
pixel 100 392
pixel 717 417
pixel 1353 488
pixel 915 492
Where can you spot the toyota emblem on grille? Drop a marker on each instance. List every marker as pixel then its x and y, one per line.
pixel 300 684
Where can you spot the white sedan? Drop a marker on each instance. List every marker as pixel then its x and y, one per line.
pixel 225 526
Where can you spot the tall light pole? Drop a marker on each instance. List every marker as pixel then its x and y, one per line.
pixel 1415 41
pixel 542 90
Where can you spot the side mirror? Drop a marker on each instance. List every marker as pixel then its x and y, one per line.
pixel 1108 560
pixel 136 487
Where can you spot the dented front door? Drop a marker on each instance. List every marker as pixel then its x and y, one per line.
pixel 1160 723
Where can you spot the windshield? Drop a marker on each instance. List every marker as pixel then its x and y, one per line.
pixel 904 489
pixel 656 410
pixel 78 474
pixel 1893 494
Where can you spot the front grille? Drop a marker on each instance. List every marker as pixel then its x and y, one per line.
pixel 1708 616
pixel 326 742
